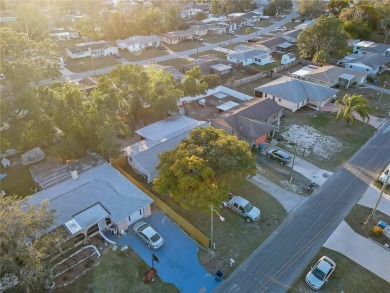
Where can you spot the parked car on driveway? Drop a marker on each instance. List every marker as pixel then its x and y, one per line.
pixel 320 273
pixel 279 155
pixel 117 55
pixel 383 177
pixel 148 235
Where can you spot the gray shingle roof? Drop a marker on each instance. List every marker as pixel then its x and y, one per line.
pixel 372 60
pixel 271 43
pixel 101 184
pixel 140 40
pixel 247 54
pixel 296 90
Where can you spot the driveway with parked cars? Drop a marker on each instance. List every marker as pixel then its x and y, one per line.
pixel 178 259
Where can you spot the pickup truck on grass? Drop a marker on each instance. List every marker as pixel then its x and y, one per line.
pixel 243 207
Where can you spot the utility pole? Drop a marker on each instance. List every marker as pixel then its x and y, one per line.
pixel 379 198
pixel 383 89
pixel 212 228
pixel 293 162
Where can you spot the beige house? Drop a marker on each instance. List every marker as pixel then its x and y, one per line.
pixel 176 37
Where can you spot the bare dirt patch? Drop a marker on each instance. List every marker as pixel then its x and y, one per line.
pixel 312 142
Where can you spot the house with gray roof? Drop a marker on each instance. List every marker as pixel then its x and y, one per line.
pixel 368 47
pixel 137 43
pixel 370 64
pixel 330 75
pixel 252 121
pixel 162 136
pixel 270 44
pixel 248 55
pixel 176 37
pixel 293 94
pixel 89 196
pixel 94 49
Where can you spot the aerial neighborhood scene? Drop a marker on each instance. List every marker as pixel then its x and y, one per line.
pixel 195 146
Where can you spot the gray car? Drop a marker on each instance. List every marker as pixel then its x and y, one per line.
pixel 148 235
pixel 279 155
pixel 320 273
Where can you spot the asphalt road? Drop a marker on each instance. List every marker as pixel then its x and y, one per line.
pixel 275 265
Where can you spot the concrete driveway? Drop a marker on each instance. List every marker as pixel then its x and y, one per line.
pixel 178 256
pixel 361 250
pixel 370 198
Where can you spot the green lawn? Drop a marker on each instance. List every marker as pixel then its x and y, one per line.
pixel 88 64
pixel 377 36
pixel 177 62
pixel 347 277
pixel 18 181
pixel 266 67
pixel 249 87
pixel 216 38
pixel 243 30
pixel 217 54
pixel 351 138
pixel 142 55
pixel 263 23
pixel 184 46
pixel 118 272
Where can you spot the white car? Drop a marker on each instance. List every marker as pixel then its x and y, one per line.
pixel 148 235
pixel 384 175
pixel 320 273
pixel 280 29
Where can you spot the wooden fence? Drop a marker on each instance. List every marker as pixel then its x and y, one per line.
pixel 192 231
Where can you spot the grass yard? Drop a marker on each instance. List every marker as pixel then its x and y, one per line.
pixel 86 64
pixel 216 38
pixel 380 108
pixel 291 25
pixel 263 23
pixel 18 181
pixel 250 87
pixel 347 277
pixel 377 36
pixel 351 138
pixel 266 67
pixel 118 272
pixel 217 54
pixel 184 46
pixel 243 30
pixel 142 55
pixel 177 62
pixel 357 219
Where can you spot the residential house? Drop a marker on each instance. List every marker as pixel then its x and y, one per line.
pixel 176 74
pixel 293 93
pixel 158 137
pixel 292 36
pixel 270 44
pixel 88 83
pixel 235 23
pixel 88 196
pixel 249 55
pixel 94 49
pixel 330 75
pixel 221 69
pixel 204 7
pixel 61 34
pixel 370 64
pixel 208 29
pixel 176 37
pixel 287 58
pixel 137 43
pixel 189 13
pixel 368 47
pixel 252 121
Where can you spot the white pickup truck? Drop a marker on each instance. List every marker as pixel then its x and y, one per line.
pixel 384 175
pixel 243 207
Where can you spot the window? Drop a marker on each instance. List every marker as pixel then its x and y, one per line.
pixel 266 95
pixel 131 159
pixel 350 66
pixel 367 70
pixel 280 100
pixel 273 99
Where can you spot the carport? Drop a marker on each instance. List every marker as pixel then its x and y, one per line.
pixel 178 256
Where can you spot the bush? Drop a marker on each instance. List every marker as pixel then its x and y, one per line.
pixel 376 232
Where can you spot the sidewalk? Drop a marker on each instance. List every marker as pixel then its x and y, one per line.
pixel 374 121
pixel 360 250
pixel 377 88
pixel 370 197
pixel 287 199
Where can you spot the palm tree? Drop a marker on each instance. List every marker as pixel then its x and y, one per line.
pixel 352 104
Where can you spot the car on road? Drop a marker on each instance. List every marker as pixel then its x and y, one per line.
pixel 148 235
pixel 279 155
pixel 117 55
pixel 280 29
pixel 320 273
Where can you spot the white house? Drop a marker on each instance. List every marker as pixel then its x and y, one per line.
pixel 287 58
pixel 293 94
pixel 137 43
pixel 368 47
pixel 208 29
pixel 88 49
pixel 370 64
pixel 89 195
pixel 158 137
pixel 248 55
pixel 61 34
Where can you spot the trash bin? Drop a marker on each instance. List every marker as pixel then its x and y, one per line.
pixel 218 276
pixel 382 224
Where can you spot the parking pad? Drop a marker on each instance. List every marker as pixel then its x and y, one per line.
pixel 178 259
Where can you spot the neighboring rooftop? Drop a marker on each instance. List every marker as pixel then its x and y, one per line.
pixel 271 43
pixel 244 54
pixel 371 60
pixel 372 47
pixel 177 34
pixel 327 73
pixel 140 40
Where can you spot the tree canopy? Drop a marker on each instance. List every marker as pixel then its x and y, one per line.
pixel 352 105
pixel 192 84
pixel 203 168
pixel 310 8
pixel 25 245
pixel 324 39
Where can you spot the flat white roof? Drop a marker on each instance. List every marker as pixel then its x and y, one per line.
pixel 165 127
pixel 227 106
pixel 347 76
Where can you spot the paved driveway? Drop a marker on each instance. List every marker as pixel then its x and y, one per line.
pixel 178 256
